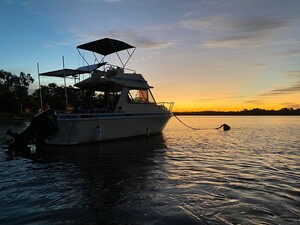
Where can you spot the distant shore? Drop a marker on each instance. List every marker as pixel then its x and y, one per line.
pixel 253 112
pixel 5 117
pixel 245 112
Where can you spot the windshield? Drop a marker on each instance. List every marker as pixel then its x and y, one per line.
pixel 140 96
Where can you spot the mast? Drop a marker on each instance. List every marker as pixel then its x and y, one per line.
pixel 41 98
pixel 66 94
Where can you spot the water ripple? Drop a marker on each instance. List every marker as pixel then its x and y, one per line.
pixel 249 175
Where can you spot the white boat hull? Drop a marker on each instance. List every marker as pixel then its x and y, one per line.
pixel 94 128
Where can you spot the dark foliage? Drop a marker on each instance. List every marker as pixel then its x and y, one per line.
pixel 14 98
pixel 54 96
pixel 14 91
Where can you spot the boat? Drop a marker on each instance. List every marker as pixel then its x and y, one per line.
pixel 117 102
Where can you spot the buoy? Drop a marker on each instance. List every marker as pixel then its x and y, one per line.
pixel 225 127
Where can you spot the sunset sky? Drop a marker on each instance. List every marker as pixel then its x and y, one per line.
pixel 201 54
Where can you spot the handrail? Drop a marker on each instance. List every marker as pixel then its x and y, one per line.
pixel 166 105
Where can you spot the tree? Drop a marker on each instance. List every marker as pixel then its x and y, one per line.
pixel 21 88
pixel 54 96
pixel 7 100
pixel 13 90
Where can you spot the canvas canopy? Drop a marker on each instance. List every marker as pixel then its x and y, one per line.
pixel 72 72
pixel 105 46
pixel 62 73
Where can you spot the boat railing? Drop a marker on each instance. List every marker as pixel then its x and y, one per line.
pixel 166 105
pixel 109 67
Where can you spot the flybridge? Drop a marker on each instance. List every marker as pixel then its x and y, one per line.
pixel 104 47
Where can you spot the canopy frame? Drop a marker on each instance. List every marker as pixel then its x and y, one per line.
pixel 64 73
pixel 105 47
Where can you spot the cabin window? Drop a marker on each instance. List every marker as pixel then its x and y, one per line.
pixel 101 101
pixel 107 99
pixel 140 96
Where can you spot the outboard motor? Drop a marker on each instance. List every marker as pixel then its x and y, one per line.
pixel 41 125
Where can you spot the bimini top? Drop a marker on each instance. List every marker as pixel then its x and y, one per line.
pixel 105 46
pixel 73 72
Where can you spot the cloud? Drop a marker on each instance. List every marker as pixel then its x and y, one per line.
pixel 295 87
pixel 222 98
pixel 209 2
pixel 294 73
pixel 220 22
pixel 145 42
pixel 255 102
pixel 261 24
pixel 291 105
pixel 236 41
pixel 260 65
pixel 246 41
pixel 224 22
pixel 140 41
pixel 292 53
pixel 129 35
pixel 243 32
pixel 54 44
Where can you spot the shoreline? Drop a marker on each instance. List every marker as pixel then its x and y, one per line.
pixel 16 116
pixel 218 113
pixel 28 115
pixel 245 112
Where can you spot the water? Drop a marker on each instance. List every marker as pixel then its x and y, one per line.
pixel 248 175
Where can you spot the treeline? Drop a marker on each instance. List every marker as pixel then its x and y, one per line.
pixel 14 96
pixel 14 91
pixel 246 112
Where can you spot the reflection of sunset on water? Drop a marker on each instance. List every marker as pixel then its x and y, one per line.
pixel 182 176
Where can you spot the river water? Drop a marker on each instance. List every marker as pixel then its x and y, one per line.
pixel 248 175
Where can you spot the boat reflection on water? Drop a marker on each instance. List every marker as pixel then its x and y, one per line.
pixel 116 178
pixel 121 182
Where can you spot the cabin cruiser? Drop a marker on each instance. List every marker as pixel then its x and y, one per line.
pixel 117 102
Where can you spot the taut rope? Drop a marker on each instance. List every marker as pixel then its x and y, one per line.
pixel 225 126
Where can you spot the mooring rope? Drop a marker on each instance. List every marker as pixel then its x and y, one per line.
pixel 193 128
pixel 225 126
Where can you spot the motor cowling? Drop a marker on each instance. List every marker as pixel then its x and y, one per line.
pixel 41 125
pixel 45 122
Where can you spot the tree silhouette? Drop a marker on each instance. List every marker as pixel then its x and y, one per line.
pixel 13 91
pixel 54 96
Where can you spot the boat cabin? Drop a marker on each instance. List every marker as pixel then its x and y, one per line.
pixel 115 91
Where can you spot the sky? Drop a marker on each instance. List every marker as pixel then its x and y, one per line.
pixel 202 54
